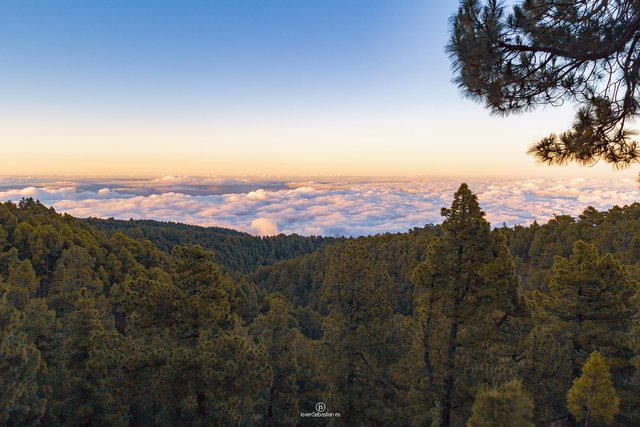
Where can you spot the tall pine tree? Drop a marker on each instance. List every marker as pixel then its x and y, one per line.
pixel 466 292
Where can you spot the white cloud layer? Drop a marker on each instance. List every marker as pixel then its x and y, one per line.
pixel 329 208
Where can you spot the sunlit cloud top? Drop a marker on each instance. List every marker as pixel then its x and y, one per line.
pixel 317 207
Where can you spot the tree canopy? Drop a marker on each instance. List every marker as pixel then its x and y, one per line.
pixel 466 293
pixel 548 52
pixel 507 405
pixel 592 395
pixel 429 327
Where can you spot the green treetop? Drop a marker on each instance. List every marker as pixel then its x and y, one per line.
pixel 592 398
pixel 588 307
pixel 507 405
pixel 465 294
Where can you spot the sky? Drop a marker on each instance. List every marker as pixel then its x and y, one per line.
pixel 249 88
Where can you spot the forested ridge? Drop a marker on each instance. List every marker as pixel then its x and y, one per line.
pixel 106 322
pixel 234 250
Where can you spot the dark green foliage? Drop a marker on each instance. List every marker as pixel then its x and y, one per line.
pixel 234 250
pixel 300 279
pixel 507 405
pixel 467 295
pixel 588 307
pixel 358 338
pixel 546 52
pixel 616 231
pixel 22 370
pixel 88 370
pixel 276 333
pixel 104 328
pixel 592 396
pixel 188 346
pixel 22 283
pixel 151 340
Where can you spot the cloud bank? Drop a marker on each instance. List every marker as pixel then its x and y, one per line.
pixel 328 208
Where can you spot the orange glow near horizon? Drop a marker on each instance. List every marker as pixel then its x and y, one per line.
pixel 468 143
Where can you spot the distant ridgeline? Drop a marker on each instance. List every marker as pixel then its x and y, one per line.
pixel 236 251
pixel 106 322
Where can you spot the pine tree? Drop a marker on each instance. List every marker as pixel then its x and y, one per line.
pixel 276 333
pixel 200 281
pixel 74 270
pixel 465 296
pixel 415 402
pixel 507 405
pixel 544 370
pixel 22 283
pixel 87 384
pixel 588 307
pixel 357 331
pixel 44 245
pixel 188 347
pixel 592 397
pixel 216 382
pixel 551 53
pixel 311 379
pixel 22 371
pixel 635 340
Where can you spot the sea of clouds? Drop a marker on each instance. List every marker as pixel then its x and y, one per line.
pixel 328 207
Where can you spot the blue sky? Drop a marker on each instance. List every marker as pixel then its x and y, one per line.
pixel 238 55
pixel 246 87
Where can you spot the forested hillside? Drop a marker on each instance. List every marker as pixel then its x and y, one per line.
pixel 106 322
pixel 236 251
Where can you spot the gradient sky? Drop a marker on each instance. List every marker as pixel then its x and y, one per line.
pixel 253 87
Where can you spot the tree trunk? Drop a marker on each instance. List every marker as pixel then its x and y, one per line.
pixel 202 405
pixel 270 421
pixel 449 379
